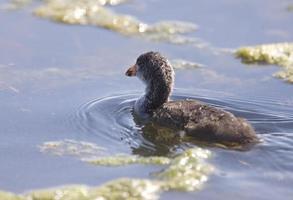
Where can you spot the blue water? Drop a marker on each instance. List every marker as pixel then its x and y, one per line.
pixel 67 82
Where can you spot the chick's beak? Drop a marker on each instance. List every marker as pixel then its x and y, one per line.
pixel 131 71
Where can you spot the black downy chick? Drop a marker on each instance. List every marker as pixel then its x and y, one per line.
pixel 194 118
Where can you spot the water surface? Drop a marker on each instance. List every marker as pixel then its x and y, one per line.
pixel 67 82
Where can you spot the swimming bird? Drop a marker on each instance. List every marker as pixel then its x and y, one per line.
pixel 191 117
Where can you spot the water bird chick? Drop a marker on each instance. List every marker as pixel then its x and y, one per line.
pixel 201 121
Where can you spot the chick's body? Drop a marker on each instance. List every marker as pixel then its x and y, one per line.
pixel 196 119
pixel 204 122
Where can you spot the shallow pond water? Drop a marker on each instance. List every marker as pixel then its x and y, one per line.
pixel 62 82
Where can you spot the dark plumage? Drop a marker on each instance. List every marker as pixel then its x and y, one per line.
pixel 194 118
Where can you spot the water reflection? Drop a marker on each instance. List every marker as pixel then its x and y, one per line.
pixel 147 138
pixel 61 59
pixel 157 140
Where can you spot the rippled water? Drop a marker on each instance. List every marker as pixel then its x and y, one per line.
pixel 109 121
pixel 67 82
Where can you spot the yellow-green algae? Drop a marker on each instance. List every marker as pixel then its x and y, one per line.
pixel 16 4
pixel 71 147
pixel 10 196
pixel 185 172
pixel 280 54
pixel 91 153
pixel 119 160
pixel 96 13
pixel 130 189
pixel 124 188
pixel 89 12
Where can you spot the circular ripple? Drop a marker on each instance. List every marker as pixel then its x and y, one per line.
pixel 109 121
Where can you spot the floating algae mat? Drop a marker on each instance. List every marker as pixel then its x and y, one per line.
pixel 95 13
pixel 119 160
pixel 71 147
pixel 16 4
pixel 94 154
pixel 88 12
pixel 280 54
pixel 186 171
pixel 10 196
pixel 123 188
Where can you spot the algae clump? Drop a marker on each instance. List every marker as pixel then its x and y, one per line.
pixel 77 192
pixel 71 147
pixel 280 54
pixel 129 159
pixel 89 12
pixel 130 189
pixel 16 4
pixel 10 196
pixel 124 188
pixel 186 171
pixel 96 13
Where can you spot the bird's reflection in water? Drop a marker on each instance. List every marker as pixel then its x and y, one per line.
pixel 158 140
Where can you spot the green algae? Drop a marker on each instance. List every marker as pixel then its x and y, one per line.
pixel 96 13
pixel 119 160
pixel 10 196
pixel 124 188
pixel 77 192
pixel 186 171
pixel 16 4
pixel 280 54
pixel 290 8
pixel 287 74
pixel 88 12
pixel 130 189
pixel 71 147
